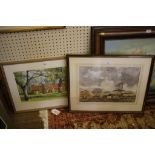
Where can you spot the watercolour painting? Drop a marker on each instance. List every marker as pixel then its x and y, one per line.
pixel 108 84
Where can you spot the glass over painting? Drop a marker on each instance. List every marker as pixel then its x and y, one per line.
pixel 132 46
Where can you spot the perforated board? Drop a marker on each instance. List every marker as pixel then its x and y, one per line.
pixel 19 46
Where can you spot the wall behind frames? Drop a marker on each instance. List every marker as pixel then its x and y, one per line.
pixel 21 46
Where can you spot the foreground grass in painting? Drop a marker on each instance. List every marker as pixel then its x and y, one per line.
pixel 43 97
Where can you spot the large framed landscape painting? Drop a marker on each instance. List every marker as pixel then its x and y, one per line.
pixel 37 85
pixel 108 83
pixel 127 41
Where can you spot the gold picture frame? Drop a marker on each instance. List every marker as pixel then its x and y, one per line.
pixel 6 29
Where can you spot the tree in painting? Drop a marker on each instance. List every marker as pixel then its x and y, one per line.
pixel 41 84
pixel 23 80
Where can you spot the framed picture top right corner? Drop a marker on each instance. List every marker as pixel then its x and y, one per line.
pixel 125 40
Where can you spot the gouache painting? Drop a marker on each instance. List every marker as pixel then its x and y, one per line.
pixel 108 84
pixel 41 85
pixel 141 46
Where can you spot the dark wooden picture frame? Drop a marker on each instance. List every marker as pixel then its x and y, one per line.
pixel 78 67
pixel 106 33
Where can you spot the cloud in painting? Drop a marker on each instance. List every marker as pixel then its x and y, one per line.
pixel 107 77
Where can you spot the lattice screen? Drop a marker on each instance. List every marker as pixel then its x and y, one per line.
pixel 20 46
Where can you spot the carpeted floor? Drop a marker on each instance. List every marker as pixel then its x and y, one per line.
pixel 68 120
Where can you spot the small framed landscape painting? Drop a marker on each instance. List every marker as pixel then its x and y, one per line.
pixel 35 85
pixel 108 83
pixel 126 41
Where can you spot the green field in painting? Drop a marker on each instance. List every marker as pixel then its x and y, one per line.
pixel 43 97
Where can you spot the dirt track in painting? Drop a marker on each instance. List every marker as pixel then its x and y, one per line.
pixel 108 97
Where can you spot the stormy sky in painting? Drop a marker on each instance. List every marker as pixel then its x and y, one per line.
pixel 108 77
pixel 130 46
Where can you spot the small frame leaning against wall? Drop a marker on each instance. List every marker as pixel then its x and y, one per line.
pixel 119 40
pixel 36 85
pixel 109 83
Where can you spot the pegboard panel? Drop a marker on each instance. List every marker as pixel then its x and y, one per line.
pixel 19 46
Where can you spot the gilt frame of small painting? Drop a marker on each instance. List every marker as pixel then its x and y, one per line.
pixel 36 85
pixel 108 83
pixel 126 40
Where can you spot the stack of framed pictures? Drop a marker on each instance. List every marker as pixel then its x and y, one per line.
pixel 116 77
pixel 103 83
pixel 126 41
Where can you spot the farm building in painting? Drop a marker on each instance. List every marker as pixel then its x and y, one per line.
pixel 47 88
